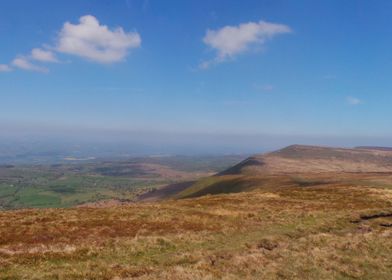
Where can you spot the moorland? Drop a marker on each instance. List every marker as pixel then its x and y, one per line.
pixel 302 212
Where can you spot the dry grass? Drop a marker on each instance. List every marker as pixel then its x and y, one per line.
pixel 317 231
pixel 305 159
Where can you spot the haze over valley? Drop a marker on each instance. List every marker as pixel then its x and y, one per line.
pixel 146 139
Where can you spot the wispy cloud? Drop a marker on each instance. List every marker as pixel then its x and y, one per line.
pixel 5 68
pixel 230 41
pixel 25 64
pixel 264 87
pixel 353 101
pixel 91 40
pixel 37 54
pixel 43 55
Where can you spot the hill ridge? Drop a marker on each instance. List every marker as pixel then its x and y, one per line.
pixel 285 166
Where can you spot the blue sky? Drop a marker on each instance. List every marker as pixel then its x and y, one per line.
pixel 304 68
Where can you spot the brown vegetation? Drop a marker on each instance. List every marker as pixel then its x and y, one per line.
pixel 314 159
pixel 326 227
pixel 270 217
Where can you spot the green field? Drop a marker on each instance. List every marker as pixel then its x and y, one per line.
pixel 66 185
pixel 70 190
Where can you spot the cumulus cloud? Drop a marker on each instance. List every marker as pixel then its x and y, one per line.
pixel 88 39
pixel 43 55
pixel 25 64
pixel 91 40
pixel 230 41
pixel 353 101
pixel 5 68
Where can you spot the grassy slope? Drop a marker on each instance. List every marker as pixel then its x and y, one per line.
pixel 284 168
pixel 307 232
pixel 240 183
pixel 231 184
pixel 306 159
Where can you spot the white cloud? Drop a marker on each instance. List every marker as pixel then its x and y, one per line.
pixel 230 41
pixel 43 55
pixel 96 42
pixel 353 101
pixel 268 87
pixel 25 64
pixel 88 39
pixel 5 68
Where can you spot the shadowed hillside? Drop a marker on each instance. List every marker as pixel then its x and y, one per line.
pixel 296 165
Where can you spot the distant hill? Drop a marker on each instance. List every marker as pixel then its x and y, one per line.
pixel 374 148
pixel 296 165
pixel 314 159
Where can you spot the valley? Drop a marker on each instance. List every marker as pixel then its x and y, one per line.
pixel 71 184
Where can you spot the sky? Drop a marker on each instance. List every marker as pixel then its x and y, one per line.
pixel 294 70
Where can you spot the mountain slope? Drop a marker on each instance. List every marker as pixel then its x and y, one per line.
pixel 313 159
pixel 302 233
pixel 293 166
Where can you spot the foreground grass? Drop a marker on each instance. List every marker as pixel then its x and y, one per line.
pixel 329 231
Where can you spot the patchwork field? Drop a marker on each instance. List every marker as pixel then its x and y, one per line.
pixel 66 185
pixel 311 227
